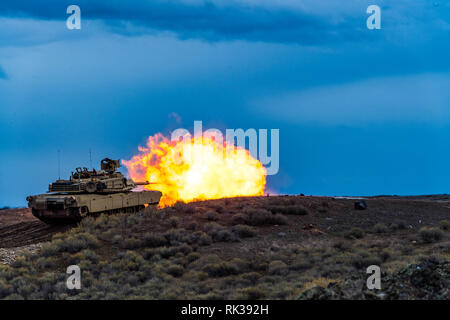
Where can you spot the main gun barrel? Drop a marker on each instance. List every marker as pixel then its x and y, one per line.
pixel 143 183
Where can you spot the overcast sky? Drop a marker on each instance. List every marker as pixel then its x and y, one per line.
pixel 360 112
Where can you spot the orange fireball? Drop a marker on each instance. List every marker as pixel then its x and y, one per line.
pixel 196 169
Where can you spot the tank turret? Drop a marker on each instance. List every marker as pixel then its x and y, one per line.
pixel 107 180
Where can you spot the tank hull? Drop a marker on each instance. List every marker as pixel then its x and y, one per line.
pixel 59 207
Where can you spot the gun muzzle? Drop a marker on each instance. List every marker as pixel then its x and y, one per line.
pixel 142 183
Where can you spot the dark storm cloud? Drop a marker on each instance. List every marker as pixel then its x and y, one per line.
pixel 233 20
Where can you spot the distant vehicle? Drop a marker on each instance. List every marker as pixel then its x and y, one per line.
pixel 91 193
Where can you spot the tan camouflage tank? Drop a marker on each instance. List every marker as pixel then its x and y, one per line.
pixel 90 193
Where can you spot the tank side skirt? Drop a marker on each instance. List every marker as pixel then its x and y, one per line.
pixel 94 204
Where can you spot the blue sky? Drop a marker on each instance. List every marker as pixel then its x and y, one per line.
pixel 360 111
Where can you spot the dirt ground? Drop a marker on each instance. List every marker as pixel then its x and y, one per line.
pixel 15 215
pixel 327 215
pixel 18 227
pixel 277 247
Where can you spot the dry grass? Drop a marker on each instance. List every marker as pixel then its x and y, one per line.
pixel 245 250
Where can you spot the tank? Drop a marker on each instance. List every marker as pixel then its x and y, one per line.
pixel 91 192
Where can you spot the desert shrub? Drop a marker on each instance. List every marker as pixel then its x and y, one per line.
pixel 429 235
pixel 243 231
pixel 189 210
pixel 174 222
pixel 224 236
pixel 150 210
pixel 252 293
pixel 5 289
pixel 341 245
pixel 218 233
pixel 148 254
pixel 258 266
pixel 363 261
pixel 109 234
pixel 48 249
pixel 191 257
pixel 193 237
pixel 204 239
pixel 175 235
pixel 240 264
pixel 301 265
pixel 307 289
pixel 183 207
pixel 386 254
pixel 164 213
pixel 132 243
pixel 290 209
pixel 179 205
pixel 398 225
pixel 184 249
pixel 354 233
pixel 212 295
pixel 132 220
pixel 75 242
pixel 6 272
pixel 211 216
pixel 117 239
pixel 192 226
pixel 167 252
pixel 127 261
pixel 21 262
pixel 175 270
pixel 444 247
pixel 153 240
pixel 23 286
pixel 219 207
pixel 204 260
pixel 14 296
pixel 263 217
pixel 279 255
pixel 47 262
pixel 221 269
pixel 278 267
pixel 445 224
pixel 380 228
pixel 88 224
pixel 251 276
pixel 86 254
pixel 282 201
pixel 239 218
pixel 213 227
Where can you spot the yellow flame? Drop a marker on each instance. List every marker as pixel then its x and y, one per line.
pixel 196 169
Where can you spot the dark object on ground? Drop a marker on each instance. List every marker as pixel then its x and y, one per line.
pixel 360 205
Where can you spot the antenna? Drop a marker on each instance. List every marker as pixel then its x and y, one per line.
pixel 90 158
pixel 59 164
